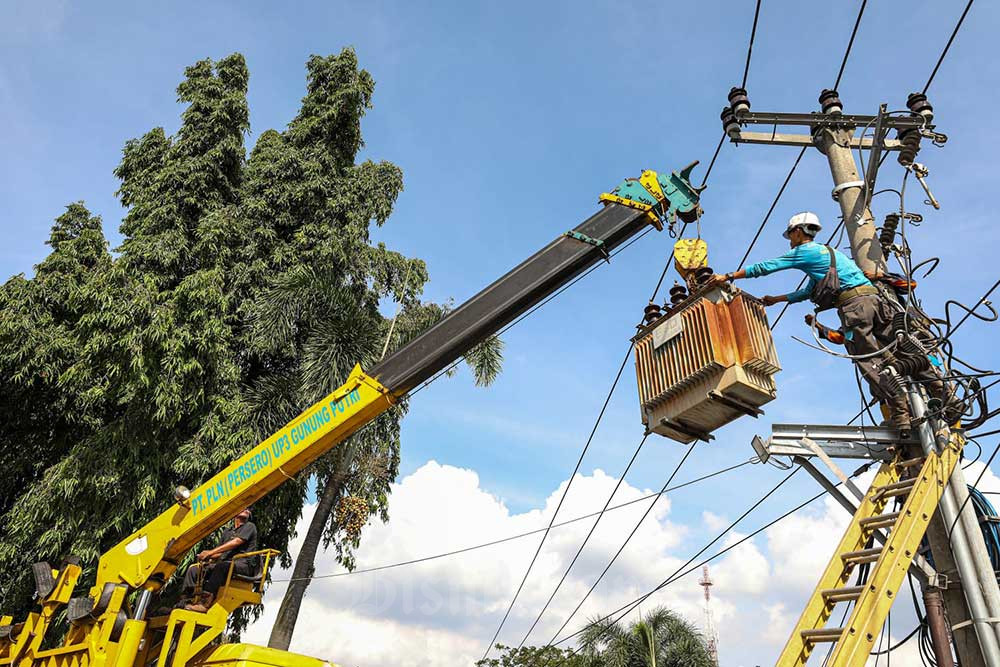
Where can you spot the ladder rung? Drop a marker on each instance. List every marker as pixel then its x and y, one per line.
pixel 909 463
pixel 862 555
pixel 879 521
pixel 896 488
pixel 842 594
pixel 822 635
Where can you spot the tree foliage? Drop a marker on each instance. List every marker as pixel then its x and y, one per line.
pixel 246 287
pixel 660 638
pixel 536 656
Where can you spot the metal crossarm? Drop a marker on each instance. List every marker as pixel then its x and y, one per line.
pixel 896 482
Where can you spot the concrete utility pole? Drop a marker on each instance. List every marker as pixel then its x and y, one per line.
pixel 969 588
pixel 849 188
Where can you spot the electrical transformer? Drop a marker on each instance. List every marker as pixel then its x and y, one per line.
pixel 704 362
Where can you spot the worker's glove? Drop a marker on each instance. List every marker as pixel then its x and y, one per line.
pixel 770 300
pixel 718 279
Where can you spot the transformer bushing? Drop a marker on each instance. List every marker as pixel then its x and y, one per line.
pixel 651 312
pixel 677 294
pixel 703 275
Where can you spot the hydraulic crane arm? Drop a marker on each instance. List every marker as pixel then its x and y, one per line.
pixel 148 557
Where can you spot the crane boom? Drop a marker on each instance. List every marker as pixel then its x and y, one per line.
pixel 148 557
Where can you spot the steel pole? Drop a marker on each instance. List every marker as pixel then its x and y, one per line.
pixel 967 570
pixel 934 606
pixel 977 545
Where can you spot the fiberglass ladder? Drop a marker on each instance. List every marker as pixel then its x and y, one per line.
pixel 918 484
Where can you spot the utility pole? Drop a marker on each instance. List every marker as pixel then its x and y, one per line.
pixel 849 189
pixel 968 587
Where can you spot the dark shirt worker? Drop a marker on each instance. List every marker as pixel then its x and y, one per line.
pixel 240 538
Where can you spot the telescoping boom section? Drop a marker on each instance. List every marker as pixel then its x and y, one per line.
pixel 114 623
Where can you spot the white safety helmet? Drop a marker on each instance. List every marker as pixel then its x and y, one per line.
pixel 808 220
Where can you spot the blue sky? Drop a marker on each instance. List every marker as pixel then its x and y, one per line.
pixel 508 120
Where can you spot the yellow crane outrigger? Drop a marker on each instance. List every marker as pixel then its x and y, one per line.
pixel 112 624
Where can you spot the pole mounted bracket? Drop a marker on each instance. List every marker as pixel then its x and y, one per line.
pixel 663 197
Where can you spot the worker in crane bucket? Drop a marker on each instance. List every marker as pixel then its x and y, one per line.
pixel 213 564
pixel 835 281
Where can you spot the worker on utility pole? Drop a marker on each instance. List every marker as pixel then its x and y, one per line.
pixel 836 281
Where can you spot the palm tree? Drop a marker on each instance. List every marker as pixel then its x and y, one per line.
pixel 661 638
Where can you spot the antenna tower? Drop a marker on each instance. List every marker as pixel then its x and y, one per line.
pixel 711 634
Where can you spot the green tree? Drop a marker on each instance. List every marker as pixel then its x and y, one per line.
pixel 38 343
pixel 245 289
pixel 660 638
pixel 535 656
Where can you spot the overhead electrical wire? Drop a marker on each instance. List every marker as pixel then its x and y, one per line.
pixel 774 203
pixel 711 164
pixel 562 498
pixel 511 538
pixel 947 46
pixel 624 543
pixel 586 539
pixel 850 44
pixel 626 609
pixel 753 34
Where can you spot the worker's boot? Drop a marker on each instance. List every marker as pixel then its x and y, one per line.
pixel 202 605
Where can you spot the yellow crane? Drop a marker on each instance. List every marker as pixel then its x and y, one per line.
pixel 112 624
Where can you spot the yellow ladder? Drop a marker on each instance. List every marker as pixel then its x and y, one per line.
pixel 921 481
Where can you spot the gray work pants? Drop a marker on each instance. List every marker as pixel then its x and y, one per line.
pixel 215 574
pixel 867 327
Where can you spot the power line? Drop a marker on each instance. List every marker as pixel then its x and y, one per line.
pixel 519 536
pixel 854 32
pixel 624 544
pixel 579 461
pixel 774 203
pixel 947 46
pixel 753 33
pixel 678 574
pixel 711 164
pixel 586 539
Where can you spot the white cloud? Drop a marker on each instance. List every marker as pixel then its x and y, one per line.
pixel 444 611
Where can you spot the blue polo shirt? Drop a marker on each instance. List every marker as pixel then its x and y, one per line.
pixel 814 260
